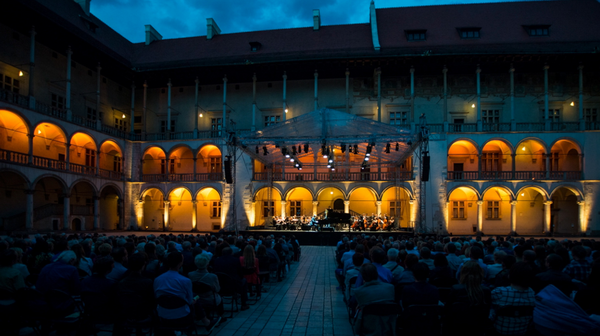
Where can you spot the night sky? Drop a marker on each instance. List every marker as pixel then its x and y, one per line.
pixel 184 18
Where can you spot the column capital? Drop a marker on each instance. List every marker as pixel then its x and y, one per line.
pixel 315 203
pixel 196 80
pixel 513 202
pixel 378 202
pixel 29 191
pixel 412 69
pixel 141 202
pixel 546 66
pixel 581 202
pixel 69 51
pixel 284 75
pixel 283 202
pixel 580 67
pixel 478 69
pixel 378 71
pixel 145 84
pixel 98 67
pixel 96 198
pixel 167 202
pixel 547 202
pixel 445 69
pixel 225 79
pixel 411 202
pixel 347 73
pixel 479 202
pixel 254 78
pixel 512 68
pixel 66 195
pixel 316 74
pixel 169 83
pixel 194 202
pixel 346 202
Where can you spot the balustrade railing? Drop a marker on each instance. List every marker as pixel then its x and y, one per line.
pixel 181 177
pixel 516 175
pixel 530 127
pixel 14 98
pixel 529 175
pixel 436 128
pixel 462 128
pixel 154 178
pixel 592 125
pixel 496 127
pixel 49 163
pixel 564 175
pixel 110 174
pixel 209 176
pixel 13 157
pixel 565 126
pixel 334 176
pixel 81 169
pixel 82 210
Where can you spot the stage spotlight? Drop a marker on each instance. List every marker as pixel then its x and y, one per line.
pixel 328 166
pixel 343 148
pixel 397 147
pixel 257 151
pixel 265 151
pixel 333 168
pixel 324 151
pixel 297 165
pixel 285 153
pixel 330 160
pixel 369 148
pixel 387 148
pixel 366 158
pixel 305 148
pixel 291 159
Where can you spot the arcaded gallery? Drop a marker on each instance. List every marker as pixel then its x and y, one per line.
pixel 430 122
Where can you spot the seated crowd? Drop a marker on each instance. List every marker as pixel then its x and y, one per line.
pixel 157 281
pixel 492 286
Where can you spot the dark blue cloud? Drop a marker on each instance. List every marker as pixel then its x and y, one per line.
pixel 183 18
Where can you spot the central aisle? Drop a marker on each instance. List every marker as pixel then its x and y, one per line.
pixel 304 303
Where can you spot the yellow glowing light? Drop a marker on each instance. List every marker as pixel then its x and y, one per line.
pixel 39 131
pixel 20 73
pixel 331 192
pixel 123 115
pixel 523 148
pixel 522 194
pixel 200 115
pixel 286 110
pixel 473 106
pixel 572 103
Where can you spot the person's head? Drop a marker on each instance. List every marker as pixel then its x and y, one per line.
pixel 19 253
pixel 476 253
pixel 554 262
pixel 202 261
pixel 471 273
pixel 377 255
pixel 529 256
pixel 578 252
pixel 67 257
pixel 499 256
pixel 425 253
pixel 521 274
pixel 410 261
pixel 439 260
pixel 174 260
pixel 369 272
pixel 226 251
pixel 352 244
pixel 119 254
pixel 421 272
pixel 508 262
pixel 8 258
pixel 358 259
pixel 137 262
pixel 262 251
pixel 103 265
pixel 104 250
pixel 392 254
pixel 360 248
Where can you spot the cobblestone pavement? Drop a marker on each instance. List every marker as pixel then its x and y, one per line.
pixel 306 302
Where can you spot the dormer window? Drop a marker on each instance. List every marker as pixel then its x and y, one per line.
pixel 469 32
pixel 538 30
pixel 255 46
pixel 89 24
pixel 415 35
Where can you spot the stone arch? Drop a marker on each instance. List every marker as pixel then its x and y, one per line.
pixel 18 114
pixel 150 147
pixel 505 188
pixel 210 143
pixel 154 161
pixel 510 147
pixel 462 210
pixel 567 215
pixel 287 193
pixel 116 187
pixel 179 146
pixel 299 201
pixel 86 133
pixel 370 188
pixel 85 181
pixel 153 208
pixel 14 195
pixel 210 209
pixel 279 192
pixel 463 186
pixel 569 187
pixel 575 143
pixel 180 209
pixel 14 132
pixel 56 177
pixel 405 188
pixel 17 172
pixel 145 191
pixel 539 189
pixel 535 139
pixel 178 186
pixel 462 156
pixel 200 190
pixel 320 190
pixel 49 142
pixel 471 141
pixel 397 205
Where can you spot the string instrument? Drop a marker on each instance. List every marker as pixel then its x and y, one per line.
pixel 388 225
pixel 374 225
pixel 355 224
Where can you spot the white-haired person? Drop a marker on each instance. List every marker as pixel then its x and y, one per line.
pixel 210 299
pixel 60 274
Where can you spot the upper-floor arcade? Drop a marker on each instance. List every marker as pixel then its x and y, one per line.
pixel 181 163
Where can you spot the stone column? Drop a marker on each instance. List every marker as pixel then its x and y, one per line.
pixel 30 141
pixel 224 105
pixel 513 123
pixel 98 163
pixel 29 210
pixel 98 83
pixel 145 98
pixel 412 215
pixel 32 68
pixel 479 216
pixel 66 211
pixel 547 216
pixel 67 156
pixel 479 122
pixel 582 224
pixel 316 75
pixel 412 95
pixel 445 73
pixel 169 85
pixel 195 215
pixel 68 91
pixel 546 107
pixel 514 163
pixel 166 215
pixel 195 161
pixel 254 102
pixel 196 105
pixel 253 214
pixel 140 215
pixel 378 204
pixel 315 204
pixel 347 91
pixel 283 204
pixel 131 121
pixel 346 206
pixel 285 109
pixel 581 118
pixel 121 207
pixel 513 216
pixel 548 168
pixel 96 212
pixel 378 73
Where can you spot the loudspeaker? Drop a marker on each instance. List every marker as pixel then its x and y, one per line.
pixel 228 178
pixel 425 172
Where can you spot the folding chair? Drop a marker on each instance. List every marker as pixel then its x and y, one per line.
pixel 422 320
pixel 377 318
pixel 137 316
pixel 229 290
pixel 185 324
pixel 202 289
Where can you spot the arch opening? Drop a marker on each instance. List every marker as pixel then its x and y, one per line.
pixel 462 211
pixel 209 210
pixel 49 147
pixel 111 160
pixel 14 140
pixel 209 164
pixel 463 159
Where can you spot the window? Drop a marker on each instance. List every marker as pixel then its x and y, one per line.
pixel 216 126
pixel 172 166
pixel 458 210
pixel 554 161
pixel 272 120
pixel 538 30
pixel 137 119
pixel 215 164
pixel 395 209
pixel 415 35
pixel 163 126
pixel 493 210
pixel 58 102
pixel 268 208
pixel 490 161
pixel 295 208
pixel 117 163
pixel 255 46
pixel 215 209
pixel 163 167
pixel 469 33
pixel 553 115
pixel 9 83
pixel 90 157
pixel 121 124
pixel 590 114
pixel 91 114
pixel 490 116
pixel 399 118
